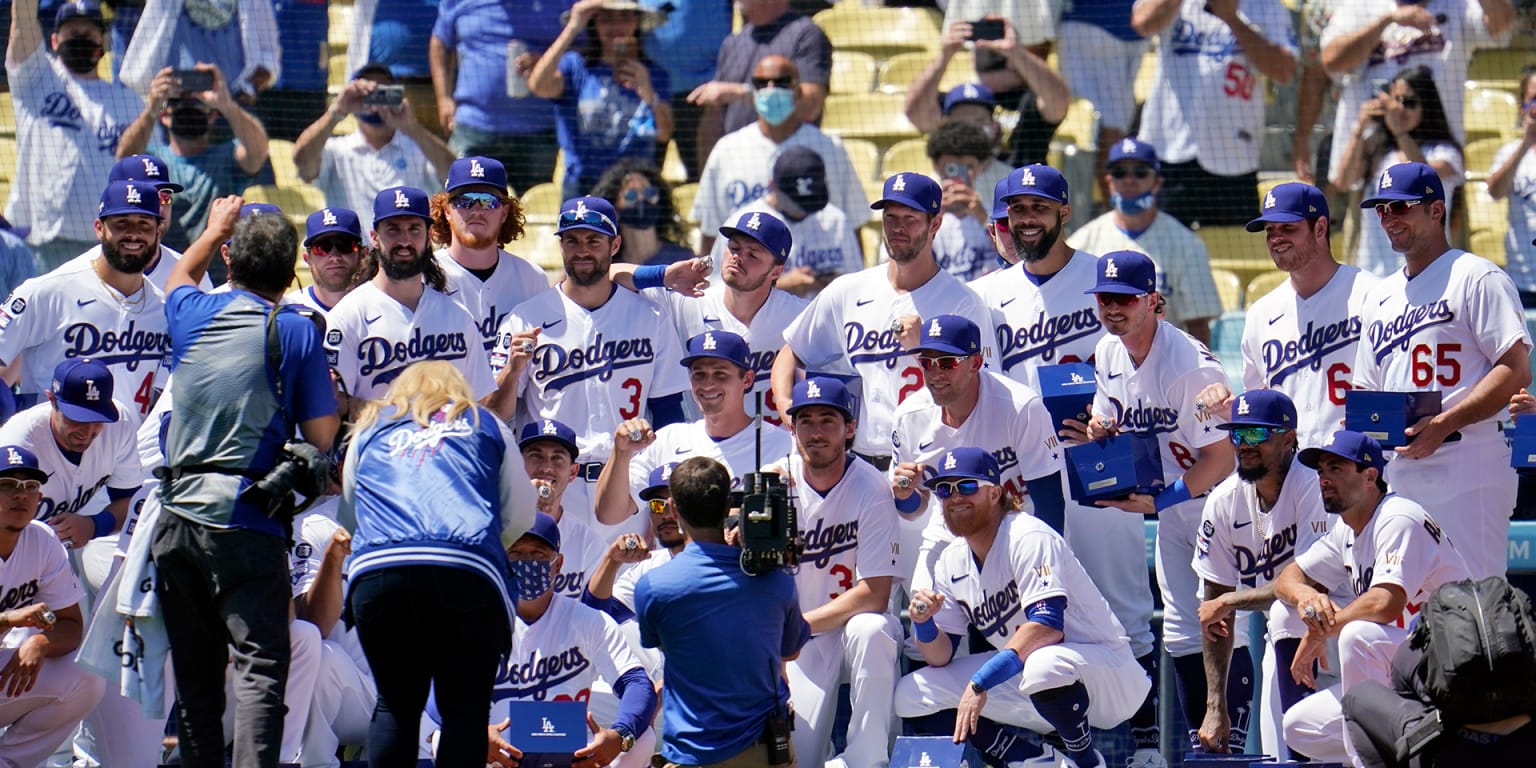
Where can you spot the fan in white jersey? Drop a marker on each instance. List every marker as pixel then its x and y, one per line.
pixel 85 447
pixel 963 405
pixel 1148 376
pixel 41 624
pixel 1062 663
pixel 1388 555
pixel 333 249
pixel 549 458
pixel 105 309
pixel 401 316
pixel 720 376
pixel 1301 337
pixel 475 216
pixel 1254 522
pixel 863 323
pixel 1448 321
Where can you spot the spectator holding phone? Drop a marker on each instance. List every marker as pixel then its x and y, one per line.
pixel 963 246
pixel 611 101
pixel 1514 175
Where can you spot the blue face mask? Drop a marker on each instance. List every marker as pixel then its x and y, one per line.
pixel 774 104
pixel 534 577
pixel 371 118
pixel 1134 205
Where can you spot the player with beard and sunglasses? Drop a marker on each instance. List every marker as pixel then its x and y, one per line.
pixel 104 308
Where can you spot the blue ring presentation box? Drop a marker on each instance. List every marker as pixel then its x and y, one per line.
pixel 1523 442
pixel 934 752
pixel 1114 468
pixel 547 732
pixel 1067 389
pixel 1385 415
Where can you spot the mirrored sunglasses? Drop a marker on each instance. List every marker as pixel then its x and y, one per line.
pixel 471 200
pixel 943 363
pixel 1254 435
pixel 1396 207
pixel 946 488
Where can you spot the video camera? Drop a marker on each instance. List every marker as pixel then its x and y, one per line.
pixel 770 524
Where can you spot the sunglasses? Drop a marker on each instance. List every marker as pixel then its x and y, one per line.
pixel 1409 102
pixel 1139 171
pixel 649 194
pixel 472 200
pixel 337 246
pixel 1254 435
pixel 1396 207
pixel 947 488
pixel 760 83
pixel 13 485
pixel 1119 299
pixel 590 218
pixel 658 506
pixel 943 363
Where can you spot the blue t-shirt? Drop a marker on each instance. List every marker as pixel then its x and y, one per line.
pixel 1113 16
pixel 302 25
pixel 724 635
pixel 399 27
pixel 478 31
pixel 600 121
pixel 686 44
pixel 193 43
pixel 203 178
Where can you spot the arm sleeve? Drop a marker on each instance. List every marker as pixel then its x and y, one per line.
pixel 1495 302
pixel 445 28
pixel 1037 561
pixel 1046 497
pixel 1404 552
pixel 1198 427
pixel 127 472
pixel 1214 559
pixel 637 700
pixel 813 56
pixel 878 548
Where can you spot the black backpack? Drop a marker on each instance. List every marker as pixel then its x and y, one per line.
pixel 1478 640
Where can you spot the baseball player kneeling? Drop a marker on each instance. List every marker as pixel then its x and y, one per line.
pixel 1063 661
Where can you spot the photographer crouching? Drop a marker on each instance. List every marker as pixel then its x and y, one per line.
pixel 724 634
pixel 246 374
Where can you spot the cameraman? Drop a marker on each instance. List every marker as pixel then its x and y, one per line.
pixel 727 715
pixel 222 560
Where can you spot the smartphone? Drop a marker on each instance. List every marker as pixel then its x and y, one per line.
pixel 194 80
pixel 987 29
pixel 385 96
pixel 957 172
pixel 626 48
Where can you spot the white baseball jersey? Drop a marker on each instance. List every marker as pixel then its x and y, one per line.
pixel 1183 266
pixel 305 297
pixel 1306 348
pixel 583 548
pixel 741 165
pixel 824 241
pixel 37 571
pixel 112 461
pixel 557 657
pixel 312 532
pixel 1043 323
pixel 1028 562
pixel 1400 545
pixel 847 329
pixel 488 301
pixel 630 573
pixel 158 274
pixel 593 369
pixel 680 442
pixel 70 312
pixel 372 338
pixel 1241 545
pixel 1207 103
pixel 962 247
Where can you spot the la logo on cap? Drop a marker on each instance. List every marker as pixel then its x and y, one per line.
pixel 549 428
pixel 900 184
pixel 12 457
pixel 1128 146
pixel 91 392
pixel 755 222
pixel 581 207
pixel 132 195
pixel 666 471
pixel 933 328
pixel 970 91
pixel 476 170
pixel 803 185
pixel 1269 200
pixel 1242 406
pixel 709 341
pixel 949 460
pixel 1386 179
pixel 813 390
pixel 1110 270
pixel 149 168
pixel 327 218
pixel 401 201
pixel 1028 179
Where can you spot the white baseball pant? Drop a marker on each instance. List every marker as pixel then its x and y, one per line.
pixel 864 651
pixel 339 711
pixel 45 717
pixel 1112 546
pixel 1471 498
pixel 1315 726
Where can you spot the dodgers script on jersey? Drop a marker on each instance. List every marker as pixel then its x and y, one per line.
pixel 1241 545
pixel 680 442
pixel 847 329
pixel 557 657
pixel 488 301
pixel 1044 324
pixel 112 461
pixel 372 339
pixel 69 313
pixel 1400 545
pixel 582 549
pixel 592 368
pixel 36 572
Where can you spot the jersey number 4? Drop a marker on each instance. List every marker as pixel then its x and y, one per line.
pixel 1436 364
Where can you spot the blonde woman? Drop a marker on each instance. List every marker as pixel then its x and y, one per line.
pixel 434 492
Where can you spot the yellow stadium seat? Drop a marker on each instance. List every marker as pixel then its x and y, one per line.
pixel 1478 156
pixel 1080 126
pixel 340 31
pixel 1263 284
pixel 7 159
pixel 7 115
pixel 672 168
pixel 1498 64
pixel 852 72
pixel 879 31
pixel 1229 287
pixel 1484 214
pixel 338 72
pixel 877 117
pixel 682 200
pixel 1146 77
pixel 283 168
pixel 870 237
pixel 910 155
pixel 1491 113
pixel 540 246
pixel 900 70
pixel 1236 249
pixel 1489 245
pixel 1266 185
pixel 541 203
pixel 296 200
pixel 865 157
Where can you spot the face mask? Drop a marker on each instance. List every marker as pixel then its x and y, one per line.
pixel 189 123
pixel 1134 205
pixel 371 118
pixel 774 104
pixel 80 54
pixel 642 215
pixel 534 578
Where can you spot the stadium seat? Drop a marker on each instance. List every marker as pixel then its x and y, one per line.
pixel 1484 214
pixel 1263 284
pixel 1478 156
pixel 1229 287
pixel 339 33
pixel 296 200
pixel 7 158
pixel 1489 245
pixel 1499 68
pixel 682 200
pixel 672 168
pixel 877 117
pixel 1081 125
pixel 870 237
pixel 880 32
pixel 540 246
pixel 852 72
pixel 897 74
pixel 541 204
pixel 1234 248
pixel 1146 76
pixel 1490 113
pixel 865 157
pixel 908 155
pixel 338 72
pixel 283 167
pixel 7 115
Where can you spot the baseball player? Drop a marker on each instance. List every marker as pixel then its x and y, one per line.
pixel 104 309
pixel 402 315
pixel 1062 662
pixel 475 217
pixel 333 249
pixel 1448 321
pixel 963 405
pixel 611 589
pixel 549 457
pixel 45 693
pixel 844 581
pixel 866 322
pixel 149 170
pixel 1388 553
pixel 1301 338
pixel 1254 522
pixel 1148 375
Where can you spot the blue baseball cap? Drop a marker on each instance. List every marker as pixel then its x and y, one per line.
pixel 545 529
pixel 82 391
pixel 999 198
pixel 1132 148
pixel 1406 181
pixel 391 202
pixel 144 168
pixel 1354 446
pixel 593 213
pixel 821 390
pixel 722 345
pixel 1262 408
pixel 476 172
pixel 765 228
pixel 913 190
pixel 657 481
pixel 18 460
pixel 127 198
pixel 329 221
pixel 1126 272
pixel 970 93
pixel 950 334
pixel 1291 201
pixel 1036 180
pixel 965 463
pixel 549 429
pixel 89 10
